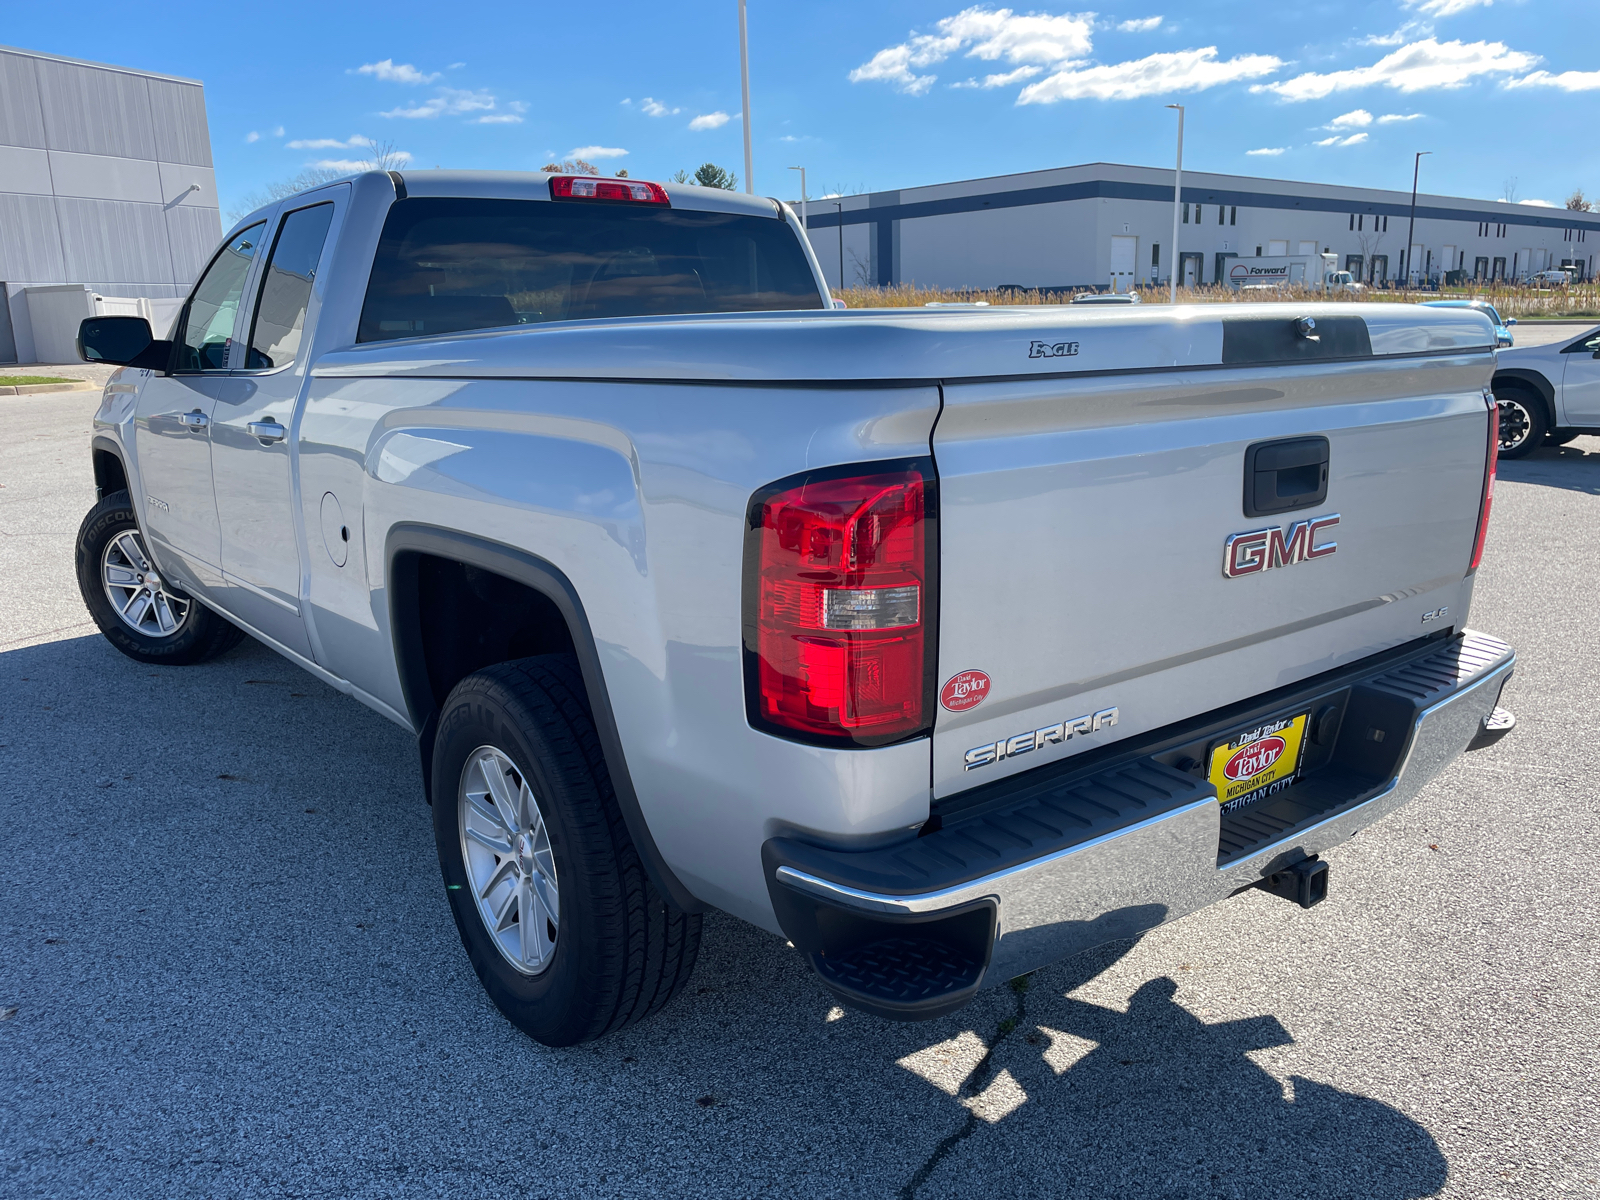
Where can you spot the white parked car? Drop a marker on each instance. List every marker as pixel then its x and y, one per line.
pixel 1548 393
pixel 1555 278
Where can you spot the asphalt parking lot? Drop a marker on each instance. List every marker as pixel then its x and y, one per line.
pixel 227 967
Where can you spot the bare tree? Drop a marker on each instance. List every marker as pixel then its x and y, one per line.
pixel 283 188
pixel 1578 202
pixel 384 156
pixel 1508 190
pixel 570 166
pixel 622 172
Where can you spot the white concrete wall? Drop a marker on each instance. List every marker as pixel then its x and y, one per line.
pixel 105 181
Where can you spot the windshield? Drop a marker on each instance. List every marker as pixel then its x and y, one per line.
pixel 446 265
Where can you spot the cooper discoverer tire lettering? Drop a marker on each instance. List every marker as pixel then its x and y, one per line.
pixel 552 902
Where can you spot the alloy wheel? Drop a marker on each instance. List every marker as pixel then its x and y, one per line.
pixel 140 598
pixel 510 865
pixel 1516 423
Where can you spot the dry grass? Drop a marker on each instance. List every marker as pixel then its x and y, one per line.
pixel 1579 300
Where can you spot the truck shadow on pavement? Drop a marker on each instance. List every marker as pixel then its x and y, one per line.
pixel 1570 467
pixel 234 972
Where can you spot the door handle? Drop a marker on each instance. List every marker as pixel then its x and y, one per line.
pixel 267 432
pixel 194 422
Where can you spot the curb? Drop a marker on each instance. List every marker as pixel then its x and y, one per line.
pixel 33 389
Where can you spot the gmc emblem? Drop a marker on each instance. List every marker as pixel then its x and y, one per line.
pixel 1264 549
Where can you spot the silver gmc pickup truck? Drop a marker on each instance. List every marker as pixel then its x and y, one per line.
pixel 943 643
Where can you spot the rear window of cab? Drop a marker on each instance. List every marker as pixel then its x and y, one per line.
pixel 447 265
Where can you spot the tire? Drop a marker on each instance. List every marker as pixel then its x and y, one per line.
pixel 147 619
pixel 1560 436
pixel 1522 422
pixel 609 950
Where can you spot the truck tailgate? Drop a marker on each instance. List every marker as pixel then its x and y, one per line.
pixel 1084 521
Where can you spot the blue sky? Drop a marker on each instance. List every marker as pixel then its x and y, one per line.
pixel 881 95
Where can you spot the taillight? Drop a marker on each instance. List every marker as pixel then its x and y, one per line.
pixel 1488 481
pixel 838 623
pixel 589 187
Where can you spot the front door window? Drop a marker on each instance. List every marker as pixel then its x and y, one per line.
pixel 206 328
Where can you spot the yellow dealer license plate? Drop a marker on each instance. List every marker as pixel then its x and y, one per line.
pixel 1257 762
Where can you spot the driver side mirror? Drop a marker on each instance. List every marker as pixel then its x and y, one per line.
pixel 1511 321
pixel 122 342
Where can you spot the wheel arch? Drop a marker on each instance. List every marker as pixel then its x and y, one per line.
pixel 1523 379
pixel 110 472
pixel 409 551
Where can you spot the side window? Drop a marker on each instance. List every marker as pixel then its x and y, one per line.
pixel 208 320
pixel 280 317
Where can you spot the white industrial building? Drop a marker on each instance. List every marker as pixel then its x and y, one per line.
pixel 108 202
pixel 1104 224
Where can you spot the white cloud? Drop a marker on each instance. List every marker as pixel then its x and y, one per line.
pixel 1567 81
pixel 1354 119
pixel 497 119
pixel 593 152
pixel 715 120
pixel 1355 139
pixel 1421 66
pixel 400 157
pixel 326 143
pixel 1333 141
pixel 1156 75
pixel 654 108
pixel 450 102
pixel 1267 151
pixel 1539 203
pixel 455 66
pixel 392 72
pixel 278 132
pixel 1140 25
pixel 252 136
pixel 1445 8
pixel 1010 77
pixel 988 34
pixel 1395 118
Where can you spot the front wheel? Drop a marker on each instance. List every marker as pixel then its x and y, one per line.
pixel 1522 423
pixel 561 923
pixel 140 613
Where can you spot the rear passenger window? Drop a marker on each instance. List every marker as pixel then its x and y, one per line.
pixel 280 316
pixel 447 265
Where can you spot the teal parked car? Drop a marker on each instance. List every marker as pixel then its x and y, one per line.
pixel 1502 328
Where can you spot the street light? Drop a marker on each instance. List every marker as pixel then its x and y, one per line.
pixel 1416 168
pixel 839 204
pixel 744 86
pixel 803 224
pixel 1177 199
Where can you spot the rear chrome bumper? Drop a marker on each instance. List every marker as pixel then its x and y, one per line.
pixel 1144 872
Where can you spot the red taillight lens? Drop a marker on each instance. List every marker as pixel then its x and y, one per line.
pixel 1488 483
pixel 838 614
pixel 590 187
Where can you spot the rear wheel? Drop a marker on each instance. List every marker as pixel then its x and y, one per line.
pixel 139 612
pixel 560 921
pixel 1522 423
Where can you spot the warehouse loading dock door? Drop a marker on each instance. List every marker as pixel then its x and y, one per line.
pixel 1124 254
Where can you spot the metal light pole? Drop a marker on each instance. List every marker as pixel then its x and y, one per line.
pixel 803 224
pixel 839 204
pixel 744 87
pixel 1177 199
pixel 1416 169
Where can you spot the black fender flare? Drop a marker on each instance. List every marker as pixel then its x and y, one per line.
pixel 1532 380
pixel 102 444
pixel 406 543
